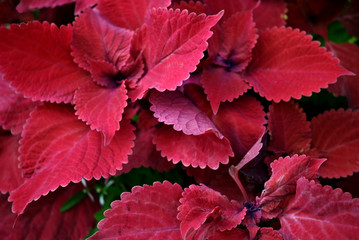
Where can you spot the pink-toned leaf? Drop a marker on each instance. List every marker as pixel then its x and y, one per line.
pixel 350 18
pixel 235 233
pixel 241 122
pixel 270 13
pixel 14 108
pixel 101 108
pixel 145 154
pixel 221 85
pixel 267 233
pixel 198 151
pixel 230 7
pixel 43 219
pixel 133 13
pixel 174 49
pixel 10 173
pixel 191 6
pixel 336 137
pixel 27 5
pixel 348 86
pixel 35 58
pixel 287 64
pixel 288 128
pixel 57 148
pixel 148 213
pixel 318 212
pixel 205 209
pixel 173 108
pixel 81 5
pixel 96 39
pixel 285 173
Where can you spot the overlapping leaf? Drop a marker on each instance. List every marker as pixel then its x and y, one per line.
pixel 147 213
pixel 318 212
pixel 48 72
pixel 133 13
pixel 288 64
pixel 336 137
pixel 57 148
pixel 348 86
pixel 10 173
pixel 270 13
pixel 175 42
pixel 285 173
pixel 203 211
pixel 289 130
pixel 14 108
pixel 350 18
pixel 43 219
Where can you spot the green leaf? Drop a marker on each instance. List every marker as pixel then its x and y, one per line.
pixel 75 199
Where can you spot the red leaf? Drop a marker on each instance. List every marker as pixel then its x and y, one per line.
pixel 10 173
pixel 95 39
pixel 286 63
pixel 266 233
pixel 201 150
pixel 270 13
pixel 336 137
pixel 204 210
pixel 323 213
pixel 148 213
pixel 101 108
pixel 235 233
pixel 241 122
pixel 285 173
pixel 133 13
pixel 43 219
pixel 27 5
pixel 14 108
pixel 289 130
pixel 348 86
pixel 42 51
pixel 230 7
pixel 173 108
pixel 221 85
pixel 145 154
pixel 173 50
pixel 350 19
pixel 191 6
pixel 81 5
pixel 57 148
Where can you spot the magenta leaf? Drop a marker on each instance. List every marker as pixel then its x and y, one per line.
pixel 133 13
pixel 321 212
pixel 83 4
pixel 201 150
pixel 241 122
pixel 43 219
pixel 348 86
pixel 270 13
pixel 57 148
pixel 101 108
pixel 235 233
pixel 147 213
pixel 288 64
pixel 203 211
pixel 27 5
pixel 173 50
pixel 173 108
pixel 288 128
pixel 336 137
pixel 10 173
pixel 48 72
pixel 266 233
pixel 14 108
pixel 285 173
pixel 95 39
pixel 191 6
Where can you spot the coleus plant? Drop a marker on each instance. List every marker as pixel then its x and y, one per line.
pixel 210 84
